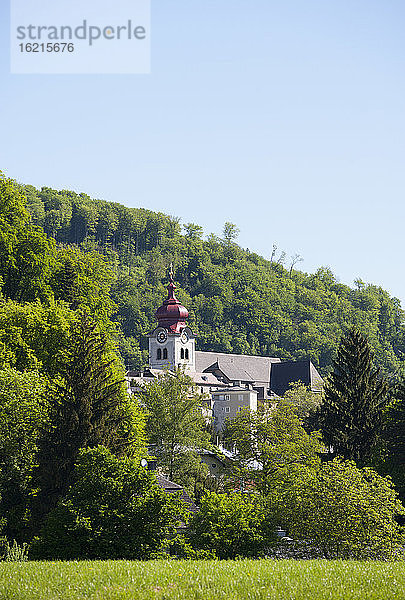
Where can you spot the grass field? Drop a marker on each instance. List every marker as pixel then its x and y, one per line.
pixel 205 580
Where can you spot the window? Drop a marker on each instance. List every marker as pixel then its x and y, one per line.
pixel 186 353
pixel 164 353
pixel 159 354
pixel 227 409
pixel 241 397
pixel 223 397
pixel 182 353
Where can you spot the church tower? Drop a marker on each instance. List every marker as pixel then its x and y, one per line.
pixel 172 343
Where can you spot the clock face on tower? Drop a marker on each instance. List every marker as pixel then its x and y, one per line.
pixel 184 337
pixel 161 335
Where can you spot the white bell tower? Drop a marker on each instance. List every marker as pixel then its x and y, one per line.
pixel 172 343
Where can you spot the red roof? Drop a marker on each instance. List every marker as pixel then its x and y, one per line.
pixel 172 315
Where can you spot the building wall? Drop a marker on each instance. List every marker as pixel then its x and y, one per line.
pixel 227 403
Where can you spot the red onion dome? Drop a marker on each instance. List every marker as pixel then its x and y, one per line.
pixel 172 315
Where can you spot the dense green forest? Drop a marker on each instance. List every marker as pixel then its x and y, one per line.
pixel 238 301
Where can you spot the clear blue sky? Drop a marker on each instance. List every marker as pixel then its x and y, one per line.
pixel 286 118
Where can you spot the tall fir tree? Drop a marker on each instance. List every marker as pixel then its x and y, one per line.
pixel 90 406
pixel 394 438
pixel 65 284
pixel 355 396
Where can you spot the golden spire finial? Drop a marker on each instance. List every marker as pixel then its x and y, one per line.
pixel 171 271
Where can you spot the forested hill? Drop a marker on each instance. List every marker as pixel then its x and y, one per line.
pixel 238 301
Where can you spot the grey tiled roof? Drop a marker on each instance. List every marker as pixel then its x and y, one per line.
pixel 149 374
pixel 237 366
pixel 167 485
pixel 203 378
pixel 170 488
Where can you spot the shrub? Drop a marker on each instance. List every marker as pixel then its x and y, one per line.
pixel 232 525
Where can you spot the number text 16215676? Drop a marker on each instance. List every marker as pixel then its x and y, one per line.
pixel 49 47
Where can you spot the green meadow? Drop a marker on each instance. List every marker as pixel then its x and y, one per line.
pixel 205 580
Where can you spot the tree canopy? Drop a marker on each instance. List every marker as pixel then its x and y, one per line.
pixel 175 423
pixel 113 509
pixel 340 510
pixel 270 440
pixel 26 254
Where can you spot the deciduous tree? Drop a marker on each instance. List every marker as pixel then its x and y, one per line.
pixel 113 509
pixel 175 422
pixel 24 412
pixel 340 510
pixel 26 256
pixel 232 525
pixel 269 440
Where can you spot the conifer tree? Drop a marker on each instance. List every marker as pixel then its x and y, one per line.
pixel 394 438
pixel 356 394
pixel 65 284
pixel 89 407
